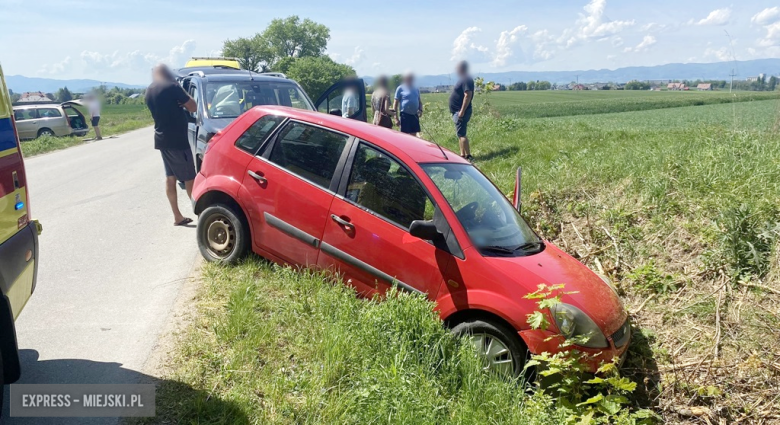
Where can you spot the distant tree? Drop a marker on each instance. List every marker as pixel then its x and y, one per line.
pixel 316 74
pixel 283 38
pixel 395 81
pixel 64 95
pixel 518 86
pixel 637 85
pixel 291 37
pixel 253 53
pixel 51 96
pixel 772 84
pixel 15 97
pixel 531 85
pixel 543 85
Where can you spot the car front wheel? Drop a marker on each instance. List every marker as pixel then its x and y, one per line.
pixel 502 350
pixel 45 132
pixel 223 235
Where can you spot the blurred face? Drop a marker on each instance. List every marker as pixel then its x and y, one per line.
pixel 409 80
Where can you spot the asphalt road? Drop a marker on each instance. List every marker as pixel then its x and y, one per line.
pixel 110 268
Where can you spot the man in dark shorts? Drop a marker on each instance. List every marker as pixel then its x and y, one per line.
pixel 167 102
pixel 409 105
pixel 460 107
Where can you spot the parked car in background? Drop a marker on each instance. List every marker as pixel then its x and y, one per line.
pixel 18 241
pixel 385 209
pixel 224 94
pixel 49 119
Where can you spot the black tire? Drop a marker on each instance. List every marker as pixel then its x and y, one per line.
pixel 507 336
pixel 45 132
pixel 220 225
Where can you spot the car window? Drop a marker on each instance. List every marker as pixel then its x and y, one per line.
pixel 382 185
pixel 255 135
pixel 309 152
pixel 49 113
pixel 229 99
pixel 25 114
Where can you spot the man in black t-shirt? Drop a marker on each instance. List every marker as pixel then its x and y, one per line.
pixel 460 107
pixel 167 101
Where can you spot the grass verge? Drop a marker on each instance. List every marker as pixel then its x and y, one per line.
pixel 114 120
pixel 295 347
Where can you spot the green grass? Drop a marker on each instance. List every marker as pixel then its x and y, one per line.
pixel 114 120
pixel 541 104
pixel 276 346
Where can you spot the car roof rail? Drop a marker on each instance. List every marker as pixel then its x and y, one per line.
pixel 275 74
pixel 198 73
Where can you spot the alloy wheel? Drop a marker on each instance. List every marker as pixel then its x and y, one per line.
pixel 496 354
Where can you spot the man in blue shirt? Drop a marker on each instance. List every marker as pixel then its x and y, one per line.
pixel 408 105
pixel 460 107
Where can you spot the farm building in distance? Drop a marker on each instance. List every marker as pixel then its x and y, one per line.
pixel 676 86
pixel 704 87
pixel 30 97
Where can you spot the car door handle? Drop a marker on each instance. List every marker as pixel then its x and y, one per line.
pixel 257 176
pixel 342 222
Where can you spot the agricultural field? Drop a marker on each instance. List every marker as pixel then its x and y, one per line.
pixel 678 206
pixel 115 119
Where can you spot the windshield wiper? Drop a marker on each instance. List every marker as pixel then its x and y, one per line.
pixel 501 249
pixel 530 245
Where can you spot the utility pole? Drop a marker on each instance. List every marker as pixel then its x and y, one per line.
pixel 732 75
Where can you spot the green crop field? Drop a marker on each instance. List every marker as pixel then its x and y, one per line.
pixel 675 197
pixel 114 119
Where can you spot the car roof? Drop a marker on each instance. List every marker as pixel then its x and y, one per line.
pixel 399 144
pixel 37 105
pixel 246 76
pixel 183 72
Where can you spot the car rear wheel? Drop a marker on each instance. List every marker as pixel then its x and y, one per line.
pixel 45 132
pixel 223 234
pixel 502 350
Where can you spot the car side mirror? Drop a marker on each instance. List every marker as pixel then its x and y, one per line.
pixel 336 112
pixel 424 229
pixel 518 189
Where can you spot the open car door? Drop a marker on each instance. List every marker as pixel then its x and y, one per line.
pixel 333 100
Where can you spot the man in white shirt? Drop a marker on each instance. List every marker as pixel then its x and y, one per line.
pixel 93 105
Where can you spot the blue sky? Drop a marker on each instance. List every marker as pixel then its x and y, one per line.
pixel 117 41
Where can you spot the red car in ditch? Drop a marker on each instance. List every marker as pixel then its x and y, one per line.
pixel 383 208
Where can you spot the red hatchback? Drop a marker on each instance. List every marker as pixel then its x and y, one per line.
pixel 382 209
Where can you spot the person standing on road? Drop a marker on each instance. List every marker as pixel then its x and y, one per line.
pixel 460 107
pixel 165 99
pixel 409 105
pixel 380 103
pixel 93 106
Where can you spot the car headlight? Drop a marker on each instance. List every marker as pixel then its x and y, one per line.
pixel 578 326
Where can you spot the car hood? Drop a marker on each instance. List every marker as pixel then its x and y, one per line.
pixel 552 267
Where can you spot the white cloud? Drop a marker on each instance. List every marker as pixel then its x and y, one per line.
pixel 772 37
pixel 56 68
pixel 464 46
pixel 136 60
pixel 643 46
pixel 357 57
pixel 505 45
pixel 767 16
pixel 592 25
pixel 723 54
pixel 716 17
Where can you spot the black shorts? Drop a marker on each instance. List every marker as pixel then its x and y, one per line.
pixel 410 123
pixel 462 124
pixel 95 121
pixel 179 164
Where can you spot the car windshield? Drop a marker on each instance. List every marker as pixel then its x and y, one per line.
pixel 493 224
pixel 229 99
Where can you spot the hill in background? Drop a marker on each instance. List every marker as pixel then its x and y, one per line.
pixel 20 84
